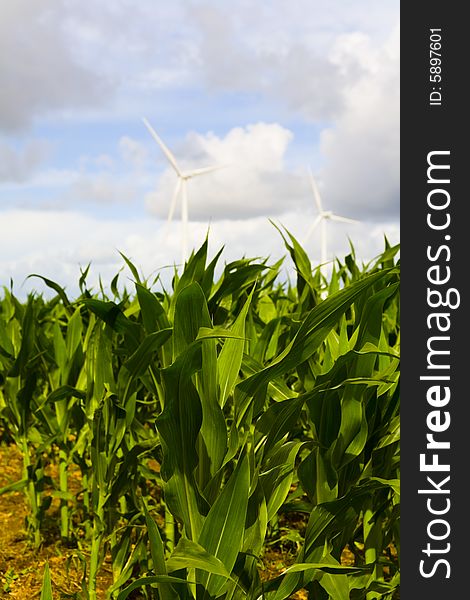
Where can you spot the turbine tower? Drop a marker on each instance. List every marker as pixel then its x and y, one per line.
pixel 321 219
pixel 180 188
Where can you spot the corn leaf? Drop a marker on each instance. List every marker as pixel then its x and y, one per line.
pixel 191 555
pixel 222 532
pixel 46 589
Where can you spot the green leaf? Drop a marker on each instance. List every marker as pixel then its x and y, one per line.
pixel 278 420
pixel 191 313
pixel 132 268
pixel 212 441
pixel 212 333
pixel 336 586
pixel 327 567
pixel 178 426
pixel 191 555
pixel 158 557
pixel 65 391
pixel 314 329
pixel 277 476
pixel 153 314
pixel 73 337
pixel 231 355
pixel 223 529
pixel 16 486
pixel 156 545
pixel 111 313
pixel 143 581
pixel 143 357
pixel 55 286
pixel 46 590
pixel 28 334
pixel 194 270
pixel 301 261
pixel 256 522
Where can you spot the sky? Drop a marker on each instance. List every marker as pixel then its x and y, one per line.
pixel 268 90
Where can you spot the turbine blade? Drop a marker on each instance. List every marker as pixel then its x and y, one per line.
pixel 204 170
pixel 313 226
pixel 166 151
pixel 323 245
pixel 323 257
pixel 171 212
pixel 343 219
pixel 184 222
pixel 316 193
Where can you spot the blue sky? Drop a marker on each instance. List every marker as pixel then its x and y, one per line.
pixel 266 88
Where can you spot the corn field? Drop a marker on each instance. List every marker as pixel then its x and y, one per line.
pixel 203 418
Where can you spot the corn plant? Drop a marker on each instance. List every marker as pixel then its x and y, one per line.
pixel 255 397
pixel 19 400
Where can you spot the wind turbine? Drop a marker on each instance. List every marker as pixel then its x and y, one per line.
pixel 321 219
pixel 183 177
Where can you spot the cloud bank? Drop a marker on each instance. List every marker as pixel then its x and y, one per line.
pixel 264 88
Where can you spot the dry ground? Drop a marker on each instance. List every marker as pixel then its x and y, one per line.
pixel 21 566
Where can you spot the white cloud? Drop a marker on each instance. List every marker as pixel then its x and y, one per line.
pixel 345 71
pixel 112 178
pixel 253 182
pixel 72 56
pixel 99 188
pixel 361 150
pixel 17 166
pixel 133 152
pixel 56 244
pixel 286 53
pixel 240 53
pixel 82 189
pixel 330 64
pixel 39 71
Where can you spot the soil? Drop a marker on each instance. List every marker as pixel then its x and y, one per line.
pixel 22 566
